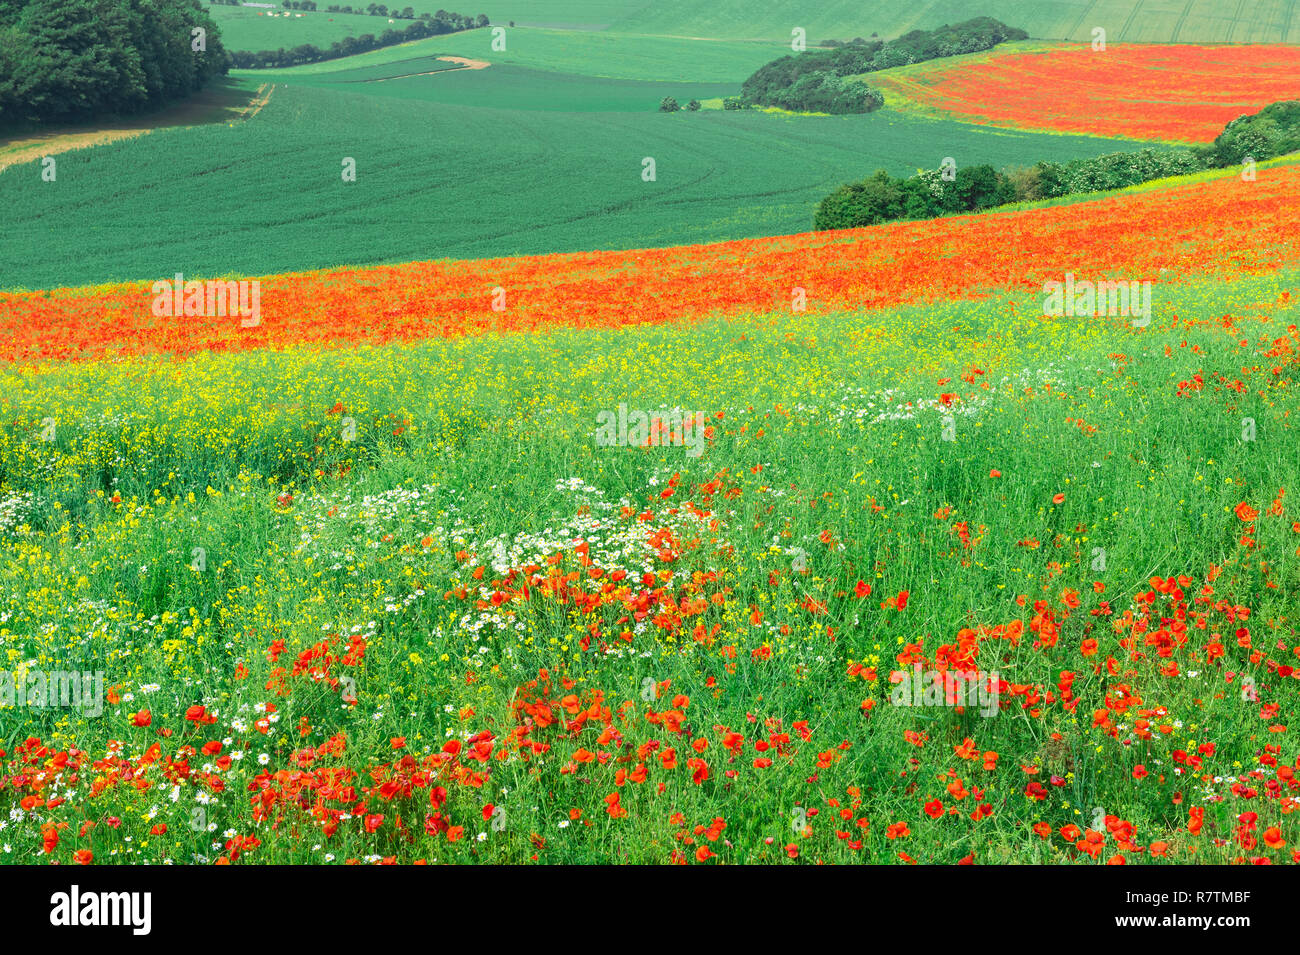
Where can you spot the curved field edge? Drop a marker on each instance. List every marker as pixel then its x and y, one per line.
pixel 1215 224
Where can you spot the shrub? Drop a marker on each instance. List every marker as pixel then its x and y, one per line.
pixel 1273 131
pixel 878 199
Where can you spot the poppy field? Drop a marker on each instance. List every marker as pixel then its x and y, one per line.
pixel 458 456
pixel 394 602
pixel 1182 93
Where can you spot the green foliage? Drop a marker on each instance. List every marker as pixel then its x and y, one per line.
pixel 431 189
pixel 668 105
pixel 69 60
pixel 882 198
pixel 814 81
pixel 825 93
pixel 1273 131
pixel 1117 170
pixel 427 26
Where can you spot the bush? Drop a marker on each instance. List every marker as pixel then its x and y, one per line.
pixel 1273 131
pixel 693 105
pixel 1026 183
pixel 878 199
pixel 668 105
pixel 825 93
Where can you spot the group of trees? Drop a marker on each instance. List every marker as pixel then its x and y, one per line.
pixel 427 25
pixel 1273 131
pixel 815 81
pixel 669 105
pixel 71 60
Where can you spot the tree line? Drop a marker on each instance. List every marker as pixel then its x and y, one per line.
pixel 1273 131
pixel 71 60
pixel 425 26
pixel 816 80
pixel 68 61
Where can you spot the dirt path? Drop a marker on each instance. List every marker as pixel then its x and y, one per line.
pixel 465 64
pixel 208 107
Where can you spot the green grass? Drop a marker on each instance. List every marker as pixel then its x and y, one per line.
pixel 440 178
pixel 622 56
pixel 1153 21
pixel 605 55
pixel 518 88
pixel 305 535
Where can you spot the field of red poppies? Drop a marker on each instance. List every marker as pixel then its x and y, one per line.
pixel 901 569
pixel 1176 93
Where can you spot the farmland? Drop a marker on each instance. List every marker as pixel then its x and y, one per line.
pixel 471 568
pixel 426 188
pixel 246 28
pixel 1144 92
pixel 1152 21
pixel 549 512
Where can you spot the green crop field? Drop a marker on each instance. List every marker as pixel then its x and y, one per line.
pixel 618 55
pixel 1157 21
pixel 440 177
pixel 246 28
pixel 535 486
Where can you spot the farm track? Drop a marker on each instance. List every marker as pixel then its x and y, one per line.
pixel 1083 18
pixel 260 99
pixel 1123 31
pixel 1182 21
pixel 29 147
pixel 1236 17
pixel 466 64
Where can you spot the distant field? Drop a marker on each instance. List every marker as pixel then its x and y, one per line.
pixel 410 66
pixel 1150 21
pixel 244 28
pixel 1156 21
pixel 613 55
pixel 504 86
pixel 1188 93
pixel 457 181
pixel 625 56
